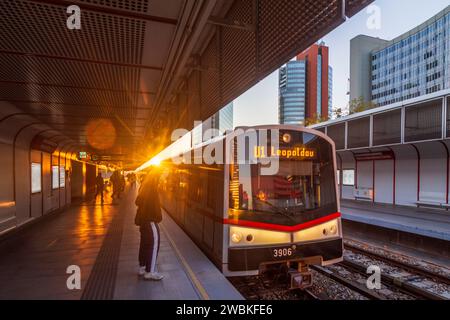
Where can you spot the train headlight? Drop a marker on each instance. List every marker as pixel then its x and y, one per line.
pixel 327 230
pixel 332 230
pixel 243 236
pixel 236 237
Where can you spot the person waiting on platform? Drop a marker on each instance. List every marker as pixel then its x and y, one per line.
pixel 100 184
pixel 116 184
pixel 147 218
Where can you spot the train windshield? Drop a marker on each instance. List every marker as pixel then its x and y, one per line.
pixel 302 189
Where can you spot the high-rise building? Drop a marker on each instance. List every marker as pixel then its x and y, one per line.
pixel 305 86
pixel 361 48
pixel 413 64
pixel 221 121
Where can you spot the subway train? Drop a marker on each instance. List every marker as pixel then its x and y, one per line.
pixel 271 203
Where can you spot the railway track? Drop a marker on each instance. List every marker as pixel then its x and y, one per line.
pixel 352 285
pixel 402 278
pixel 409 267
pixel 264 288
pixel 394 283
pixel 407 277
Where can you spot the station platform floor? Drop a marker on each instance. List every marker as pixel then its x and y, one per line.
pixel 431 223
pixel 103 241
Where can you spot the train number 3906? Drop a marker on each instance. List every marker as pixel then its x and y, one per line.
pixel 282 252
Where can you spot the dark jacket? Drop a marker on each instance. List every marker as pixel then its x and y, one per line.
pixel 100 182
pixel 149 209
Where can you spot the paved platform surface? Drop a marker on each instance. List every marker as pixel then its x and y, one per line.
pixel 103 241
pixel 427 222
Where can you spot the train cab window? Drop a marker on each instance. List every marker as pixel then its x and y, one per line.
pixel 304 188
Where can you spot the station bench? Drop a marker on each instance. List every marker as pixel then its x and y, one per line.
pixel 434 204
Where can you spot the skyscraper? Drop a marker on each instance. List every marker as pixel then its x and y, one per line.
pixel 221 121
pixel 413 64
pixel 305 86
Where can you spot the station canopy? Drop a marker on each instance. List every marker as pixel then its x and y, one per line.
pixel 137 69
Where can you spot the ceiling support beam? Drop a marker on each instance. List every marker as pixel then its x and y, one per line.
pixel 102 62
pixel 232 24
pixel 109 10
pixel 74 104
pixel 40 84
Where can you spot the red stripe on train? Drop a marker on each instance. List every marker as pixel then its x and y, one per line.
pixel 277 227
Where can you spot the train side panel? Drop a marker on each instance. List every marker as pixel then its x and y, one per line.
pixel 193 196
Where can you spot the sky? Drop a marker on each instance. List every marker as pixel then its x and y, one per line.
pixel 259 105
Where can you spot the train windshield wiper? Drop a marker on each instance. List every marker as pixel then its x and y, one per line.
pixel 275 208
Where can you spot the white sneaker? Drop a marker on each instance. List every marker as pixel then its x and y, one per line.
pixel 141 271
pixel 153 276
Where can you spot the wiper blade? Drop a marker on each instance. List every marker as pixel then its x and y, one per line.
pixel 276 209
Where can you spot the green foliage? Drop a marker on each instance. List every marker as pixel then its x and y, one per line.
pixel 359 105
pixel 338 113
pixel 314 120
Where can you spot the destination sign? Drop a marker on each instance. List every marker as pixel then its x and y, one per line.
pixel 288 153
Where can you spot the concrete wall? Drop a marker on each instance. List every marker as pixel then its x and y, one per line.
pixel 361 64
pixel 18 205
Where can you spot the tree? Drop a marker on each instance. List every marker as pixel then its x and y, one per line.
pixel 314 120
pixel 359 105
pixel 338 113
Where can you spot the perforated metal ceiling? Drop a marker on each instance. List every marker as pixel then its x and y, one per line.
pixel 148 65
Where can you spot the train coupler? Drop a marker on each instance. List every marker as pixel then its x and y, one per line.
pixel 300 279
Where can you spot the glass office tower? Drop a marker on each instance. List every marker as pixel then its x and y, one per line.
pixel 305 87
pixel 292 86
pixel 414 64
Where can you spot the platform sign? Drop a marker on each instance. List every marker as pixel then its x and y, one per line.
pixel 62 177
pixel 55 177
pixel 107 157
pixel 36 177
pixel 82 155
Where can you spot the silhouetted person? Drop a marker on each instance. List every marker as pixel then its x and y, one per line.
pixel 122 183
pixel 147 218
pixel 132 180
pixel 100 184
pixel 115 180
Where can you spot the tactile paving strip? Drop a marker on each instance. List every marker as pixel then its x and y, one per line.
pixel 102 280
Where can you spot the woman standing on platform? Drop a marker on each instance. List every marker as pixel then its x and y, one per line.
pixel 147 218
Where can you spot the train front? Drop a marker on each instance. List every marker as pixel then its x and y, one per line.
pixel 286 215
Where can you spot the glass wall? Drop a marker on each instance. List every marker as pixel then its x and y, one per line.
pixel 292 82
pixel 416 65
pixel 423 121
pixel 387 128
pixel 358 133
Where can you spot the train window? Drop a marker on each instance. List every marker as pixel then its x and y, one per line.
pixel 36 170
pixel 194 188
pixel 212 192
pixel 348 177
pixel 303 187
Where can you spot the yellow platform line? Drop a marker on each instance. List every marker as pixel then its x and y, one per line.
pixel 199 287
